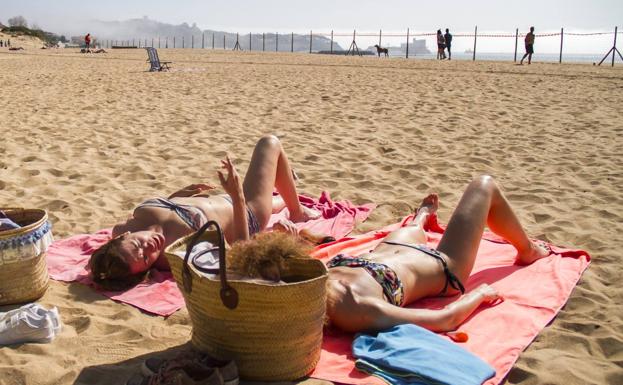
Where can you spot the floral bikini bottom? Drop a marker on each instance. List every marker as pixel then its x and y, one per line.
pixel 383 274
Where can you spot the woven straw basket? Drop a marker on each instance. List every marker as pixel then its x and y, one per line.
pixel 23 268
pixel 273 332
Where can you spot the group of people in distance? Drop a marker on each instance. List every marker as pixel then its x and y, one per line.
pixel 444 42
pixel 6 43
pixel 365 292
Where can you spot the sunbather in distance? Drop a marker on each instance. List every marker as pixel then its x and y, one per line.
pixel 139 242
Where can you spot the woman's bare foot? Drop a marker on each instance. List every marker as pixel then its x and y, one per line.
pixel 538 250
pixel 305 214
pixel 428 208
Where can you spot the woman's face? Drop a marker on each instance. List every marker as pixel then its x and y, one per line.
pixel 141 249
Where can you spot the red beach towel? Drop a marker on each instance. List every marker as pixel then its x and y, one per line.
pixel 533 295
pixel 67 258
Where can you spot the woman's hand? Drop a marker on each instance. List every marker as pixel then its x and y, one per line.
pixel 192 190
pixel 488 293
pixel 231 182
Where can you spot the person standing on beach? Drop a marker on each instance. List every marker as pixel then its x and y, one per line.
pixel 87 41
pixel 529 40
pixel 448 39
pixel 441 46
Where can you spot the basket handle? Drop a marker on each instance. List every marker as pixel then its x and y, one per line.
pixel 229 295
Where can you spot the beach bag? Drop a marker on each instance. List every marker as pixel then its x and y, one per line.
pixel 23 268
pixel 272 331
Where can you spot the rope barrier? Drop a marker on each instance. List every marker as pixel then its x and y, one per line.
pixel 376 34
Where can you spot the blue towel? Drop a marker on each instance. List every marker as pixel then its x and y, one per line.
pixel 409 354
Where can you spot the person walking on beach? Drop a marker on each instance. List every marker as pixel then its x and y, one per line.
pixel 441 46
pixel 448 39
pixel 529 40
pixel 87 42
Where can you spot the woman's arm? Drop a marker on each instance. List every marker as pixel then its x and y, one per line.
pixel 377 314
pixel 191 190
pixel 233 186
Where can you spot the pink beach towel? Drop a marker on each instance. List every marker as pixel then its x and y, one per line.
pixel 67 258
pixel 533 295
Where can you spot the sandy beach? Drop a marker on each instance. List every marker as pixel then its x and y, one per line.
pixel 87 137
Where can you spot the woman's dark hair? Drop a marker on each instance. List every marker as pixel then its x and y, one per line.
pixel 109 269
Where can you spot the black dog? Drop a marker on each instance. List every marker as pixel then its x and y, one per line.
pixel 380 50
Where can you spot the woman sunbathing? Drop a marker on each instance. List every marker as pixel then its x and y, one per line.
pixel 368 292
pixel 139 242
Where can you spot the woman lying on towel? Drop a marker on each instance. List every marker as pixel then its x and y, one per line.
pixel 139 242
pixel 369 292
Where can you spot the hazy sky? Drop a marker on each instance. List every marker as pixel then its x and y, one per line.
pixel 323 15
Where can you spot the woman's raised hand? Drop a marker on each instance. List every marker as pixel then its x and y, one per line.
pixel 231 182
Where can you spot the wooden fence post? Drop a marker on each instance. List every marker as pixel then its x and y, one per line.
pixel 475 34
pixel 614 45
pixel 516 38
pixel 562 34
pixel 407 44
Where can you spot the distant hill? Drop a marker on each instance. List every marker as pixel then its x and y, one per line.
pixel 36 36
pixel 146 28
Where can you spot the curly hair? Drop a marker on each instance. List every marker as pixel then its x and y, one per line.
pixel 110 270
pixel 263 255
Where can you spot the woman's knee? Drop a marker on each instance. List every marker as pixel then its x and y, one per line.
pixel 269 141
pixel 484 183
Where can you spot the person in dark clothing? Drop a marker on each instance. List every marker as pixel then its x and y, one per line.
pixel 529 40
pixel 448 37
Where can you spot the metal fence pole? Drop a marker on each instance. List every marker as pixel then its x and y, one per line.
pixel 380 34
pixel 203 40
pixel 223 41
pixel 516 38
pixel 183 42
pixel 263 42
pixel 407 44
pixel 173 41
pixel 292 43
pixel 212 40
pixel 250 34
pixel 277 42
pixel 475 34
pixel 311 37
pixel 562 34
pixel 332 41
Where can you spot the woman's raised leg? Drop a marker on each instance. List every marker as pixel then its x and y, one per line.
pixel 269 169
pixel 484 204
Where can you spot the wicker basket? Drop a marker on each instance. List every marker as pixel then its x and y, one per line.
pixel 23 268
pixel 273 332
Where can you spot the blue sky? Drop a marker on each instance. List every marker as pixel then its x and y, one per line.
pixel 72 16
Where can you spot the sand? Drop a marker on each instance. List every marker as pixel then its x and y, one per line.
pixel 88 136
